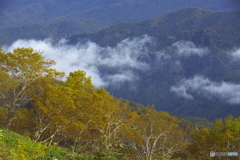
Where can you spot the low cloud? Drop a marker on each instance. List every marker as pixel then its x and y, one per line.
pixel 187 48
pixel 226 92
pixel 121 77
pixel 109 65
pixel 125 58
pixel 236 54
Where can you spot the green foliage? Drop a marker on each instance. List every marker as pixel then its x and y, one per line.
pixel 14 146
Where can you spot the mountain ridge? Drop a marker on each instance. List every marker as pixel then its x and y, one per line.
pixel 26 13
pixel 198 28
pixel 187 59
pixel 171 24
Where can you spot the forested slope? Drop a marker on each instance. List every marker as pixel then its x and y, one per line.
pixel 71 119
pixel 25 16
pixel 205 28
pixel 194 45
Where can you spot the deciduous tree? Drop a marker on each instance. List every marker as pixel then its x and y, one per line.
pixel 160 134
pixel 224 136
pixel 20 70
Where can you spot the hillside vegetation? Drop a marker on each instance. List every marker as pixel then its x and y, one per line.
pixel 14 146
pixel 72 120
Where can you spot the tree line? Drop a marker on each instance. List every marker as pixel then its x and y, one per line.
pixel 35 101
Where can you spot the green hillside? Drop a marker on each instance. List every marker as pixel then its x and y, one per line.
pixel 14 146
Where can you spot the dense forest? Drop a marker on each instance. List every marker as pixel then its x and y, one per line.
pixel 87 123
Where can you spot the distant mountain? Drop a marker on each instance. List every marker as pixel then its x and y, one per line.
pixel 206 28
pixel 51 17
pixel 192 72
pixel 53 30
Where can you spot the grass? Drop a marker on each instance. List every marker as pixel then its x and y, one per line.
pixel 16 147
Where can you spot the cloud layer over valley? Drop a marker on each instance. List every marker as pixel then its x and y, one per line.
pixel 236 54
pixel 227 92
pixel 187 48
pixel 123 59
pixel 118 64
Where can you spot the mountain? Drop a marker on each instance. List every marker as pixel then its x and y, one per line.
pixel 59 18
pixel 190 69
pixel 195 24
pixel 55 30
